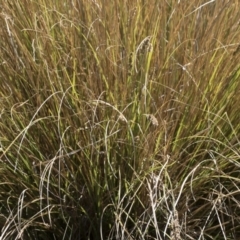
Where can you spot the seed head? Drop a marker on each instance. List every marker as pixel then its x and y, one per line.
pixel 152 119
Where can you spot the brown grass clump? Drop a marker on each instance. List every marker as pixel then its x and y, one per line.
pixel 119 120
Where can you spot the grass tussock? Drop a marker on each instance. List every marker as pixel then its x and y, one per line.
pixel 119 120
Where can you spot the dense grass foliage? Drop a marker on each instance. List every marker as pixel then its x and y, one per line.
pixel 119 119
